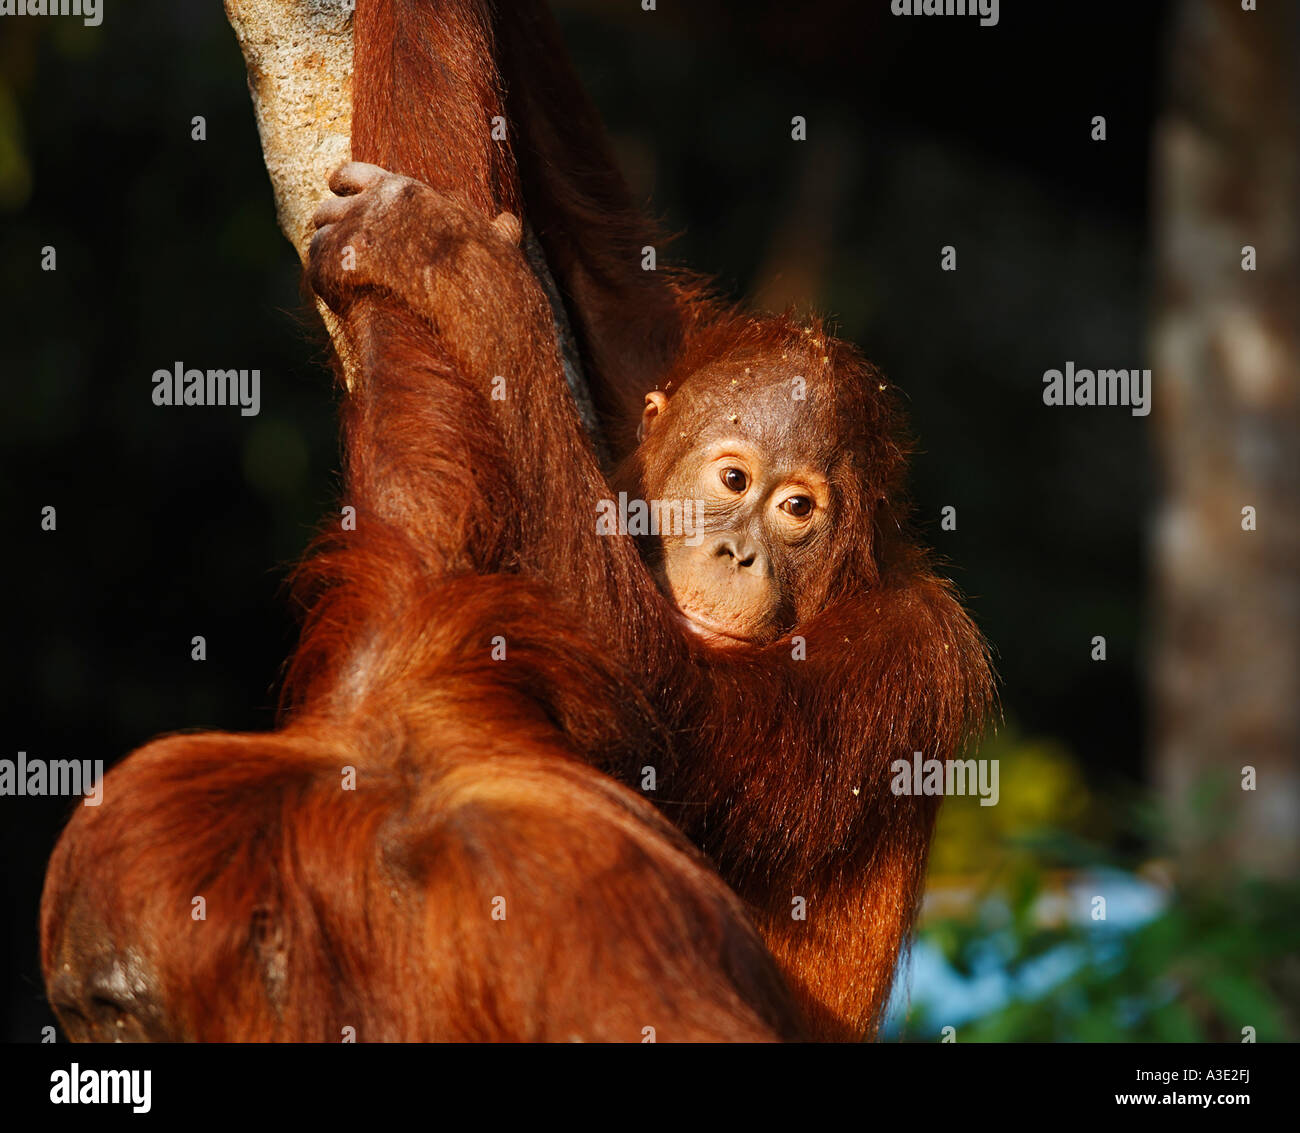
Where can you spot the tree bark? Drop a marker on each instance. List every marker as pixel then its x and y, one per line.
pixel 1226 413
pixel 299 59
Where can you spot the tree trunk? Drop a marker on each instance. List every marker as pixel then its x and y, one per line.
pixel 1226 414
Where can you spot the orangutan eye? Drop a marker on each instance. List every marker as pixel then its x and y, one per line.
pixel 798 506
pixel 735 479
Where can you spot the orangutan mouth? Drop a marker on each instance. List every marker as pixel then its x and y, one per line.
pixel 710 631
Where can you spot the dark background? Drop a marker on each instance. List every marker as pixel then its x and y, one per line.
pixel 922 132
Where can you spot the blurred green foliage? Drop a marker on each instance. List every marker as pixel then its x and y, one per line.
pixel 1219 955
pixel 1218 959
pixel 1041 791
pixel 15 169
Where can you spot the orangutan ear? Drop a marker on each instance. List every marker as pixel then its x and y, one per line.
pixel 654 405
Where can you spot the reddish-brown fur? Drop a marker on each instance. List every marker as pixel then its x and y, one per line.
pixel 372 908
pixel 479 778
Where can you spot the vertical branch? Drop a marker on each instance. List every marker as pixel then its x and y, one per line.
pixel 299 59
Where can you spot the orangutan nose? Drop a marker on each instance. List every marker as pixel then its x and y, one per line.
pixel 740 554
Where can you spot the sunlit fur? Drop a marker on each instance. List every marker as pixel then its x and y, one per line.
pixel 477 778
pixel 371 909
pixel 781 768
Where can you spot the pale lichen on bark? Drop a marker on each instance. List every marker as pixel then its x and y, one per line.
pixel 299 59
